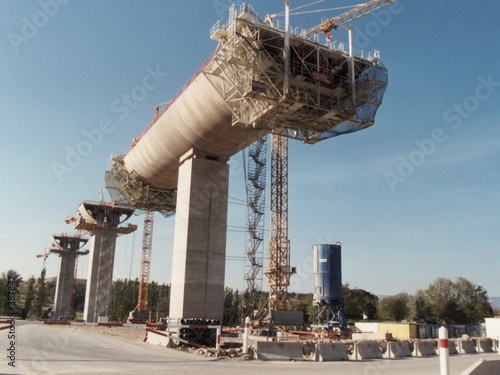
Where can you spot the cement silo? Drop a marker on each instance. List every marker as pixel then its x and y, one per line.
pixel 328 301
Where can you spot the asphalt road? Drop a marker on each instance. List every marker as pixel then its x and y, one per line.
pixel 55 350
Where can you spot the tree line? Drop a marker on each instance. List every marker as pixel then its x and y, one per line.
pixel 30 296
pixel 124 299
pixel 444 301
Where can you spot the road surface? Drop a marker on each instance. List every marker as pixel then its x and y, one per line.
pixel 41 349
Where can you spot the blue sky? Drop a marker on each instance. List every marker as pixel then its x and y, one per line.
pixel 413 198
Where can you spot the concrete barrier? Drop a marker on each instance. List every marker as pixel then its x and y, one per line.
pixel 329 351
pixel 495 346
pixel 157 338
pixel 452 347
pixel 466 346
pixel 423 349
pixel 483 367
pixel 484 346
pixel 278 351
pixel 366 350
pixel 397 349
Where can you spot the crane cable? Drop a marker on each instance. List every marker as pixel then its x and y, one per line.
pixel 323 10
pixel 294 9
pixel 281 14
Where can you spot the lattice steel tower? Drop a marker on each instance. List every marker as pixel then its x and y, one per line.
pixel 279 270
pixel 147 245
pixel 256 201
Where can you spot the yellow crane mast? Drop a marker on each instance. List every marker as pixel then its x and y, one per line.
pixel 141 313
pixel 279 271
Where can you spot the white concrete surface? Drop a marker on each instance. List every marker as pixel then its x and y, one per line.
pixel 199 253
pixel 492 328
pixel 366 350
pixel 332 351
pixel 57 350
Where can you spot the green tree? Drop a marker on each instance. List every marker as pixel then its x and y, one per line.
pixel 420 310
pixel 359 302
pixel 30 296
pixel 6 291
pixel 123 298
pixel 303 302
pixel 438 294
pixel 236 308
pixel 232 307
pixel 229 315
pixel 459 302
pixel 162 300
pixel 248 303
pixel 394 308
pixel 473 301
pixel 153 295
pixel 79 302
pixel 40 295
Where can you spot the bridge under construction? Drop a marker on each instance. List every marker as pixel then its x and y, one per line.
pixel 263 78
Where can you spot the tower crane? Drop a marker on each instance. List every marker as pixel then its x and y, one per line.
pixel 141 313
pixel 45 255
pixel 280 271
pixel 343 19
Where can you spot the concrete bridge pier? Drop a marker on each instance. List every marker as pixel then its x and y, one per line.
pixel 101 220
pixel 199 253
pixel 68 248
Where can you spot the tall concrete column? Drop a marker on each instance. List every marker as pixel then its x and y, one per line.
pixel 199 253
pixel 68 249
pixel 102 221
pixel 100 275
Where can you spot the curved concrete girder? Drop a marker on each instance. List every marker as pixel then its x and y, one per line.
pixel 63 241
pixel 88 212
pixel 84 213
pixel 199 119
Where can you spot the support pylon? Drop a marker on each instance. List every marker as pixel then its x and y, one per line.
pixel 102 221
pixel 68 247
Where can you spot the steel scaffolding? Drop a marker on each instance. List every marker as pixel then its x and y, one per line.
pixel 256 202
